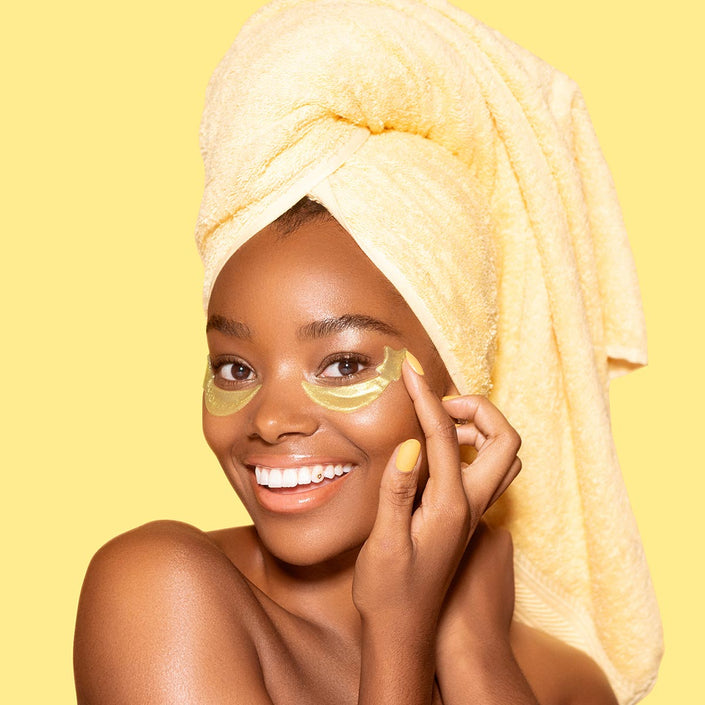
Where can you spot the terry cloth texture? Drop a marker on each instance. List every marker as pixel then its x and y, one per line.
pixel 468 171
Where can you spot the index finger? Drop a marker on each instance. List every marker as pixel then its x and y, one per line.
pixel 444 486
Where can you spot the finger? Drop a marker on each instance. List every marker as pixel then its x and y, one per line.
pixel 481 411
pixel 491 472
pixel 496 464
pixel 514 470
pixel 483 424
pixel 469 435
pixel 397 494
pixel 444 486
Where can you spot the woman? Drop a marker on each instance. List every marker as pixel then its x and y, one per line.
pixel 440 235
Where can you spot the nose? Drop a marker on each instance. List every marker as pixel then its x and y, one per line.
pixel 281 410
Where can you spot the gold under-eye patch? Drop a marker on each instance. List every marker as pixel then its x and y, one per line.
pixel 354 396
pixel 223 402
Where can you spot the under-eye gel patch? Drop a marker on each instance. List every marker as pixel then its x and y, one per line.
pixel 223 402
pixel 354 396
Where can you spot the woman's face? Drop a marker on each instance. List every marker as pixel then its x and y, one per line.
pixel 310 306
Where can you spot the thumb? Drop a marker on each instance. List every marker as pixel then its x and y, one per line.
pixel 397 492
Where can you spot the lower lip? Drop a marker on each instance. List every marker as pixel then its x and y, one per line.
pixel 291 500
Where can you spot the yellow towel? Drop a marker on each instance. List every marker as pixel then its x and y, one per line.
pixel 468 171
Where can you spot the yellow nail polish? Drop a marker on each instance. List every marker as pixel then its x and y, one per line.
pixel 451 396
pixel 415 364
pixel 407 455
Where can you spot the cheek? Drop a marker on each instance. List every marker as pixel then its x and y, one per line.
pixel 221 432
pixel 380 427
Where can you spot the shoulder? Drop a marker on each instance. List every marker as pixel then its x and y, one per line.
pixel 557 673
pixel 157 601
pixel 160 555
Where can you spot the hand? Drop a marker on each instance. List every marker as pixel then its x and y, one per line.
pixel 496 464
pixel 410 558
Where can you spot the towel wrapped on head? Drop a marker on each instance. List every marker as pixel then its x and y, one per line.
pixel 468 171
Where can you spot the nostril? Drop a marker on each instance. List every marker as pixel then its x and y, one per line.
pixel 273 419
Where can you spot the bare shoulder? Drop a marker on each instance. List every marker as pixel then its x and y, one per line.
pixel 163 615
pixel 557 673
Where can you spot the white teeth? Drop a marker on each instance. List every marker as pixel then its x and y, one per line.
pixel 289 478
pixel 305 475
pixel 317 473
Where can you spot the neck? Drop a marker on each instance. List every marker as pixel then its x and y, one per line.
pixel 320 593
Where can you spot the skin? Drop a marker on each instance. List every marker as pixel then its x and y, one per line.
pixel 390 588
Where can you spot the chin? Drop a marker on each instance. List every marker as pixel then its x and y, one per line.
pixel 316 546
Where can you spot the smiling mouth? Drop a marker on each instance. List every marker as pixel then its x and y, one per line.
pixel 289 478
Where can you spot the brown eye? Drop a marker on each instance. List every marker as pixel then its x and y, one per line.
pixel 235 372
pixel 344 367
pixel 347 367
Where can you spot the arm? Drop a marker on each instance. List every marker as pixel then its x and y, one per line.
pixel 476 660
pixel 558 673
pixel 485 657
pixel 534 666
pixel 407 564
pixel 154 625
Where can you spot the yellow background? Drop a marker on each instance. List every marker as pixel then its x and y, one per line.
pixel 103 350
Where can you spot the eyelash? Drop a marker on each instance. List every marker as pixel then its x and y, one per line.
pixel 355 358
pixel 225 383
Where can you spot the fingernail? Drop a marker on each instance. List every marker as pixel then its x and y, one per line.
pixel 415 364
pixel 407 455
pixel 451 396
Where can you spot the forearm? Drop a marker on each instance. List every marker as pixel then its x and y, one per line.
pixel 398 665
pixel 482 674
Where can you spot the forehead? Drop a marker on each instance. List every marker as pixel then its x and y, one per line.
pixel 318 270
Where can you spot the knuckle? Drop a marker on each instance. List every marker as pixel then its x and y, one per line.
pixel 400 494
pixel 444 430
pixel 511 440
pixel 516 438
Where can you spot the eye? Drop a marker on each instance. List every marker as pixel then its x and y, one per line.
pixel 346 366
pixel 228 373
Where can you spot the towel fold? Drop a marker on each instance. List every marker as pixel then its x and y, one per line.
pixel 468 171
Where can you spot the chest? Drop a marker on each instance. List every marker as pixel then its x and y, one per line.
pixel 302 663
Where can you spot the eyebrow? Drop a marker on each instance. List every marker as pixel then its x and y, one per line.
pixel 349 321
pixel 230 327
pixel 309 331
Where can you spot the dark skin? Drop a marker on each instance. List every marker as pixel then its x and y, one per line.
pixel 376 586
